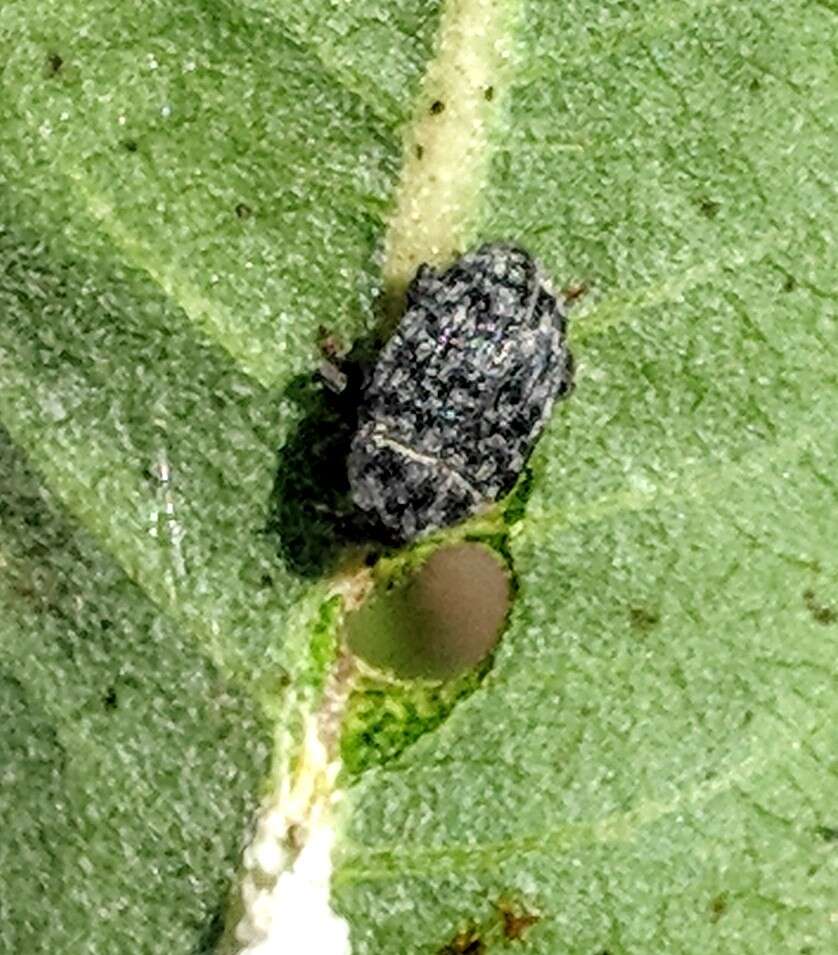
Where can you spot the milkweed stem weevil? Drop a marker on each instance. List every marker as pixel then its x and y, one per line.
pixel 461 391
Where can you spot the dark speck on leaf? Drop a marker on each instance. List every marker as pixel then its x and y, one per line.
pixel 709 207
pixel 243 211
pixel 789 283
pixel 643 618
pixel 420 150
pixel 130 145
pixel 516 923
pixel 109 700
pixel 464 943
pixel 820 613
pixel 54 63
pixel 827 833
pixel 718 907
pixel 437 107
pixel 571 293
pixel 489 93
pixel 266 580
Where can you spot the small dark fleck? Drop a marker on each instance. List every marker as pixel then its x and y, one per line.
pixel 109 700
pixel 130 145
pixel 644 618
pixel 827 833
pixel 516 923
pixel 820 613
pixel 709 207
pixel 330 345
pixel 437 107
pixel 243 211
pixel 489 93
pixel 789 283
pixel 266 580
pixel 570 293
pixel 755 84
pixel 718 907
pixel 420 150
pixel 747 716
pixel 464 943
pixel 371 559
pixel 678 677
pixel 54 63
pixel 295 837
pixel 282 680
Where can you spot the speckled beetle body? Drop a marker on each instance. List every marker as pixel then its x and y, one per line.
pixel 460 392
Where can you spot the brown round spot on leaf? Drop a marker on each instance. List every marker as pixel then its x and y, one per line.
pixel 444 619
pixel 437 107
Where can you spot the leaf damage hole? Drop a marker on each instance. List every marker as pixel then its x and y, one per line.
pixel 445 618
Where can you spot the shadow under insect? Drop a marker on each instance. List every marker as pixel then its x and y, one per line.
pixel 311 512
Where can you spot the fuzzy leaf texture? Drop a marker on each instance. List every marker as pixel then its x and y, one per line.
pixel 188 191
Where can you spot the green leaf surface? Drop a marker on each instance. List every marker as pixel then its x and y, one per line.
pixel 188 192
pixel 130 763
